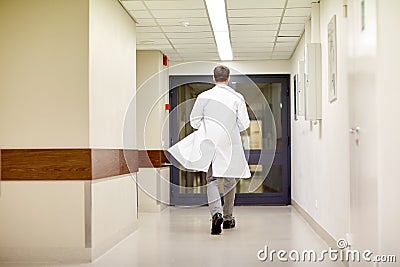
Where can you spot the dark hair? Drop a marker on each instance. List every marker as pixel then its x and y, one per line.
pixel 221 73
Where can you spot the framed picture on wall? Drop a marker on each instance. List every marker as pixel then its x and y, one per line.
pixel 332 60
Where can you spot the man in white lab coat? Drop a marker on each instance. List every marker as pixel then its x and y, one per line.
pixel 219 114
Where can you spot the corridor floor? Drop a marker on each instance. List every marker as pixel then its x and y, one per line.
pixel 180 237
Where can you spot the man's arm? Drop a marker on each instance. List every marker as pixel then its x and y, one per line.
pixel 242 117
pixel 196 116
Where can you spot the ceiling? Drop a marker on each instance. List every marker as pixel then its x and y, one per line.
pixel 259 29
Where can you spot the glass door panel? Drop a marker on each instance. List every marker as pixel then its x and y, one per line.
pixel 265 141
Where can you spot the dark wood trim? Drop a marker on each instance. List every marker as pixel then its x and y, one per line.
pixel 105 163
pixel 66 164
pixel 128 160
pixel 46 164
pixel 152 158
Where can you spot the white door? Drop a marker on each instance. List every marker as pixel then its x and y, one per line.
pixel 363 125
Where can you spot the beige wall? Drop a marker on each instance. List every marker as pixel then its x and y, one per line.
pixel 44 74
pixel 66 62
pixel 112 75
pixel 152 95
pixel 114 211
pixel 43 220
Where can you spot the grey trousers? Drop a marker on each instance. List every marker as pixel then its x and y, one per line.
pixel 213 195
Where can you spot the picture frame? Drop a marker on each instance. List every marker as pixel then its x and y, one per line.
pixel 332 60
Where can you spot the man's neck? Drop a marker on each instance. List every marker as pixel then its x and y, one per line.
pixel 221 83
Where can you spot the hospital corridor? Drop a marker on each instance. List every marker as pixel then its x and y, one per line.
pixel 139 133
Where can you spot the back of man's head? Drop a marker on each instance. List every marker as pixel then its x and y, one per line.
pixel 221 73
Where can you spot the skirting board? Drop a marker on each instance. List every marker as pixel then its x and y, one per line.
pixel 317 228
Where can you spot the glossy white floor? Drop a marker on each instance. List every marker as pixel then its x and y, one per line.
pixel 181 237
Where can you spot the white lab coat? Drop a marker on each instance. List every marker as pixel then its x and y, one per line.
pixel 219 114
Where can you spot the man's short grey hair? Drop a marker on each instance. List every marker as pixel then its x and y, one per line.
pixel 221 73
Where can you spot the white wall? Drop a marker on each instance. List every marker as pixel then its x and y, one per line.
pixel 44 74
pixel 388 96
pixel 355 184
pixel 320 153
pixel 112 72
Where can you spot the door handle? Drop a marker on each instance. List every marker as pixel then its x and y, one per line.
pixel 355 130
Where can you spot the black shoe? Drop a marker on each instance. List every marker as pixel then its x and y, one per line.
pixel 228 224
pixel 216 224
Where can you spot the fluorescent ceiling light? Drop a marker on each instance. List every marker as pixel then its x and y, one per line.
pixel 217 13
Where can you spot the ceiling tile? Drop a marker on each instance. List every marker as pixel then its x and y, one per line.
pixel 247 57
pixel 186 29
pixel 266 27
pixel 298 12
pixel 146 22
pixel 187 35
pixel 299 3
pixel 173 13
pixel 282 53
pixel 250 45
pixel 193 41
pixel 153 46
pixel 255 54
pixel 287 39
pixel 195 51
pixel 252 40
pixel 240 4
pixel 292 27
pixel 253 25
pixel 290 33
pixel 153 5
pixel 253 33
pixel 250 13
pixel 294 19
pixel 251 21
pixel 287 44
pixel 179 22
pixel 252 49
pixel 134 5
pixel 208 58
pixel 145 29
pixel 141 14
pixel 199 54
pixel 152 42
pixel 150 35
pixel 199 46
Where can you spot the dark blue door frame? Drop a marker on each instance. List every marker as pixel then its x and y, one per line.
pixel 282 156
